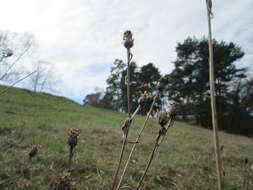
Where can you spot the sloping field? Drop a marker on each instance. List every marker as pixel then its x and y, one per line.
pixel 185 160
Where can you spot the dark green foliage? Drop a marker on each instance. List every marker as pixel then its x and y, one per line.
pixel 190 82
pixel 142 79
pixel 113 91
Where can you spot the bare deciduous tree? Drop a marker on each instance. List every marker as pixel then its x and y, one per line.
pixel 44 79
pixel 17 47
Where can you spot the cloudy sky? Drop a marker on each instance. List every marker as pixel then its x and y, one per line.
pixel 83 37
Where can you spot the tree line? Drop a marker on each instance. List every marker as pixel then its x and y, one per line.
pixel 189 85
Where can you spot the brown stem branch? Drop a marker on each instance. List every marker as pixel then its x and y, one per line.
pixel 157 144
pixel 137 140
pixel 123 148
pixel 70 156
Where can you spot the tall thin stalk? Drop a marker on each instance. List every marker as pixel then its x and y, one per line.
pixel 129 57
pixel 213 101
pixel 128 43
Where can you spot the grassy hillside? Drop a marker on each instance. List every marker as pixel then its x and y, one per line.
pixel 185 160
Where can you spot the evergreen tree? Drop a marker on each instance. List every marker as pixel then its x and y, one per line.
pixel 113 94
pixel 190 78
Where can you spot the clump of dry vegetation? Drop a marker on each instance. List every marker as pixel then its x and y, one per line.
pixel 63 182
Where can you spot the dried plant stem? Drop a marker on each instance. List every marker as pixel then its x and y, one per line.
pixel 125 140
pixel 157 144
pixel 120 161
pixel 148 165
pixel 213 101
pixel 135 112
pixel 137 140
pixel 171 122
pixel 128 82
pixel 128 38
pixel 71 153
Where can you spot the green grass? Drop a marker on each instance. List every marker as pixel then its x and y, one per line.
pixel 185 160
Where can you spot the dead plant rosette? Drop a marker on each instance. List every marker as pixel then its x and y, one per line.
pixel 64 182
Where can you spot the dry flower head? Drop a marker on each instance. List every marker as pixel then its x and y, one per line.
pixel 74 131
pixel 163 118
pixel 145 98
pixel 73 134
pixel 128 39
pixel 174 108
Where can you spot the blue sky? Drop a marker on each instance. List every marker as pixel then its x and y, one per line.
pixel 81 38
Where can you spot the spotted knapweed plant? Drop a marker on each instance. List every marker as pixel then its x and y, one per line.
pixel 144 99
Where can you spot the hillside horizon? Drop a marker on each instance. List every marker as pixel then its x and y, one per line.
pixel 186 159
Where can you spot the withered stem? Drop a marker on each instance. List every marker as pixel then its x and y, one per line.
pixel 125 140
pixel 137 140
pixel 70 156
pixel 157 144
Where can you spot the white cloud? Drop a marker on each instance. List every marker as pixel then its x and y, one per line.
pixel 76 34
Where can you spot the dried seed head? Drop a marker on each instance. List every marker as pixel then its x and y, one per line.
pixel 73 134
pixel 145 98
pixel 128 39
pixel 163 118
pixel 161 84
pixel 174 108
pixel 74 131
pixel 33 152
pixel 64 181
